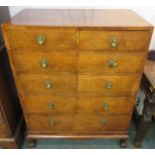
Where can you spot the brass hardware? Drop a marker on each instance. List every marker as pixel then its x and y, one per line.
pixel 50 105
pixel 113 42
pixel 108 85
pixel 44 63
pixel 105 106
pixel 112 63
pixel 151 88
pixel 48 84
pixel 104 121
pixel 41 39
pixel 52 122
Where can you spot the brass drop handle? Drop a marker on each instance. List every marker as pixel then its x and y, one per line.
pixel 52 122
pixel 104 121
pixel 44 63
pixel 48 84
pixel 105 106
pixel 114 42
pixel 41 39
pixel 112 63
pixel 108 85
pixel 50 105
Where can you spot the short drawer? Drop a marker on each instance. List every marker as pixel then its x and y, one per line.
pixel 50 104
pixel 120 40
pixel 40 37
pixel 84 123
pixel 108 85
pixel 106 105
pixel 34 61
pixel 4 135
pixel 3 128
pixel 1 117
pixel 110 62
pixel 43 84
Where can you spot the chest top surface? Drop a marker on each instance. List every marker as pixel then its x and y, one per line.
pixel 79 18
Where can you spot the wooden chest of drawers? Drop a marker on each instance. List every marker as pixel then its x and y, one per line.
pixel 77 71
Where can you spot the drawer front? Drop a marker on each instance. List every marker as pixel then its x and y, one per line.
pixel 44 62
pixel 1 117
pixel 106 105
pixel 107 40
pixel 42 84
pixel 110 62
pixel 37 37
pixel 85 123
pixel 50 104
pixel 5 135
pixel 3 128
pixel 103 85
